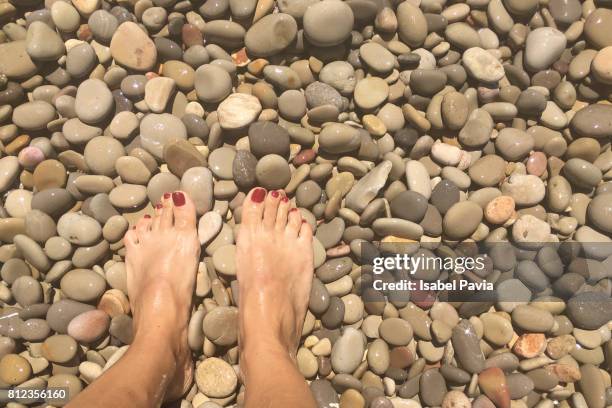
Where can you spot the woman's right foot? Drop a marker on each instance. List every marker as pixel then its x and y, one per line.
pixel 274 262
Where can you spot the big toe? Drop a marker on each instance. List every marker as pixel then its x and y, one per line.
pixel 184 210
pixel 253 206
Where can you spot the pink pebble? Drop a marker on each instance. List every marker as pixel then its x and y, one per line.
pixel 536 164
pixel 89 326
pixel 30 156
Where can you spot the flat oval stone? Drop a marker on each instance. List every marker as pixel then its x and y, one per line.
pixel 482 65
pixel 395 331
pixel 328 23
pixel 33 115
pixel 596 28
pixel 94 101
pixel 377 57
pixel 215 378
pixel 83 285
pixel 270 35
pixel 467 347
pixel 128 195
pixel 238 110
pixel 101 153
pixel 544 45
pixel 462 219
pixel 157 130
pixel 79 229
pixel 220 325
pixel 89 326
pixel 132 47
pixel 347 351
pixel 63 311
pixel 268 138
pixel 371 92
pixel 43 43
pixel 198 183
pixel 212 83
pixel 412 25
pixel 339 138
pixel 59 348
pixel 593 121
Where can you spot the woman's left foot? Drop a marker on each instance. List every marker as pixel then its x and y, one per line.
pixel 162 257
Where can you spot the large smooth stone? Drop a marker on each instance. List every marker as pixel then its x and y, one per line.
pixel 132 47
pixel 157 130
pixel 43 43
pixel 33 115
pixel 94 101
pixel 198 183
pixel 328 23
pixel 270 35
pixel 347 351
pixel 544 46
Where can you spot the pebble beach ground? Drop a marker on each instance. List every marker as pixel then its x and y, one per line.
pixel 416 121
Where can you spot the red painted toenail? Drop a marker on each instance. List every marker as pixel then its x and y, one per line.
pixel 284 199
pixel 258 195
pixel 147 216
pixel 293 209
pixel 178 198
pixel 274 193
pixel 166 195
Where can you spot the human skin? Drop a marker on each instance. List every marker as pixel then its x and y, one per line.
pixel 274 271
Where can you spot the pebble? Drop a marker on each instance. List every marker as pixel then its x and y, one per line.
pixel 327 23
pixel 131 47
pixel 215 378
pixel 94 101
pixel 238 111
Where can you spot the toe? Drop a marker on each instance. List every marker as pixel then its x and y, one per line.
pixel 184 211
pixel 143 226
pixel 253 206
pixel 295 222
pixel 305 231
pixel 271 208
pixel 157 217
pixel 281 214
pixel 166 217
pixel 130 239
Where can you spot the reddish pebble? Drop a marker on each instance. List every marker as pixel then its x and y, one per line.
pixel 401 357
pixel 340 250
pixel 191 36
pixel 89 326
pixel 305 156
pixel 240 58
pixel 30 156
pixel 565 372
pixel 499 210
pixel 84 33
pixel 492 382
pixel 530 345
pixel 536 164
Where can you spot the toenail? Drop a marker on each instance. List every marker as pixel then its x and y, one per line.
pixel 158 206
pixel 178 198
pixel 166 195
pixel 284 199
pixel 293 209
pixel 274 193
pixel 147 216
pixel 258 195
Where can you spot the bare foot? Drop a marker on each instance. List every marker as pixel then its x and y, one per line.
pixel 275 268
pixel 161 260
